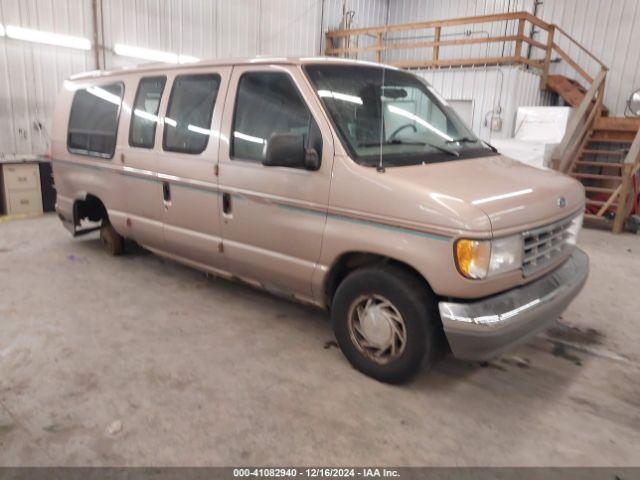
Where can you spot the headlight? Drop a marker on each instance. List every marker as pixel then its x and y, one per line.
pixel 479 259
pixel 574 229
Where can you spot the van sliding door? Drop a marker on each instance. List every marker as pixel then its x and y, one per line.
pixel 187 165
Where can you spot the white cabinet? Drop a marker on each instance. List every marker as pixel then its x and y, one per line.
pixel 21 188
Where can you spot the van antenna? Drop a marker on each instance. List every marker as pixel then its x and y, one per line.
pixel 380 168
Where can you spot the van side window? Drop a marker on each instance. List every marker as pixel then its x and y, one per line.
pixel 93 122
pixel 144 118
pixel 187 125
pixel 268 103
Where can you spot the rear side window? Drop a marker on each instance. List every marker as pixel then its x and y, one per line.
pixel 93 123
pixel 268 103
pixel 188 120
pixel 142 132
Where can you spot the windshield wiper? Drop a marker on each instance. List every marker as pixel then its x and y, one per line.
pixel 432 145
pixel 397 141
pixel 462 140
pixel 491 147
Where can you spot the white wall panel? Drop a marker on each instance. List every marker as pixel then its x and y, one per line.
pixel 365 13
pixel 31 74
pixel 490 89
pixel 609 29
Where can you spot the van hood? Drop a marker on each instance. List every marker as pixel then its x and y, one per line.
pixel 512 195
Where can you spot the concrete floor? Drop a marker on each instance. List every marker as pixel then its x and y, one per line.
pixel 140 361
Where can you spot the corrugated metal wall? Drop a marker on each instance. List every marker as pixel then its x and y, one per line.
pixel 404 11
pixel 31 74
pixel 493 91
pixel 608 28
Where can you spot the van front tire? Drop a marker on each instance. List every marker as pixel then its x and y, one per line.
pixel 112 241
pixel 386 322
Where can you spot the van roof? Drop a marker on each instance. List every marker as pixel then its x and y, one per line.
pixel 260 60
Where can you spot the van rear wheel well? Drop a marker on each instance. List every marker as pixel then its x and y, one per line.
pixel 352 261
pixel 90 208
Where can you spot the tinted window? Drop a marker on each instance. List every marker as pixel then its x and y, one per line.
pixel 268 103
pixel 93 123
pixel 188 121
pixel 142 132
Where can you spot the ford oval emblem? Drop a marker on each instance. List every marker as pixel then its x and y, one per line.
pixel 562 202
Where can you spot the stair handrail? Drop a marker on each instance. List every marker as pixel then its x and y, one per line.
pixel 580 121
pixel 580 46
pixel 380 44
pixel 378 33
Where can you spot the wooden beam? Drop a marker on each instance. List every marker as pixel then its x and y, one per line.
pixel 581 47
pixel 621 211
pixel 467 62
pixel 572 63
pixel 518 52
pixel 573 126
pixel 379 50
pixel 436 48
pixel 609 202
pixel 535 43
pixel 440 23
pixel 532 62
pixel 423 44
pixel 547 58
pixel 574 148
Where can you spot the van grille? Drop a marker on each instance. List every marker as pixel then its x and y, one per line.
pixel 543 245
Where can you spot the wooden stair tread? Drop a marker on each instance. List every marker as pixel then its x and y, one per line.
pixel 589 188
pixel 571 91
pixel 599 203
pixel 599 164
pixel 596 176
pixel 602 138
pixel 617 153
pixel 620 124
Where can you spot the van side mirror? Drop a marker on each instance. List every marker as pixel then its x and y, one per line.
pixel 287 150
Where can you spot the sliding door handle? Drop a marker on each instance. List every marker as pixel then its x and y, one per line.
pixel 226 204
pixel 166 193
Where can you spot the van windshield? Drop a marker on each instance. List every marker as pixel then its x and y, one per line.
pixel 389 115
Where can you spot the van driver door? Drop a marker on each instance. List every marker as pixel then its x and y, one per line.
pixel 273 218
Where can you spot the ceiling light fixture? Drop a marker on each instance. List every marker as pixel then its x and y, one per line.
pixel 152 55
pixel 49 38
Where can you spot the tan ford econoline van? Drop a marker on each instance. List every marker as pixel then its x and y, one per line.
pixel 345 184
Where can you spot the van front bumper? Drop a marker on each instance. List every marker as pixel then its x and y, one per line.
pixel 482 329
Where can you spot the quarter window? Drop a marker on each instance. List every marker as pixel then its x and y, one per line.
pixel 188 121
pixel 144 117
pixel 269 103
pixel 93 122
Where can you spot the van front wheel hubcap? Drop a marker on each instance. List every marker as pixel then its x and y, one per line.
pixel 377 328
